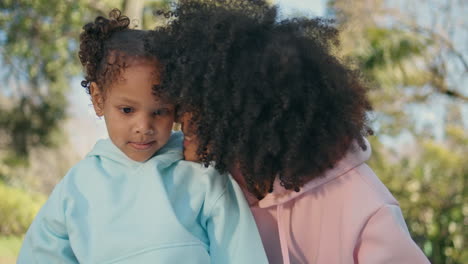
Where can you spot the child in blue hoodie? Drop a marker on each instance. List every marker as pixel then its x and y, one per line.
pixel 132 199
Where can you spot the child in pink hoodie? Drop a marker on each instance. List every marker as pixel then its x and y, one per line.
pixel 268 101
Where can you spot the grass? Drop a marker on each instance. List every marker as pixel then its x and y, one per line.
pixel 9 249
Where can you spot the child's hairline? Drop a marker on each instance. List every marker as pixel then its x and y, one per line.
pixel 130 61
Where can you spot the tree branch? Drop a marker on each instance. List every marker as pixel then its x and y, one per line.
pixel 99 7
pixel 444 40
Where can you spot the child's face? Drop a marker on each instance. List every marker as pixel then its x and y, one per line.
pixel 138 123
pixel 190 138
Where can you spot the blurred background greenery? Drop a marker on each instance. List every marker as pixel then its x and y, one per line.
pixel 414 54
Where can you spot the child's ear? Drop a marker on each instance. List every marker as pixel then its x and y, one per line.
pixel 97 99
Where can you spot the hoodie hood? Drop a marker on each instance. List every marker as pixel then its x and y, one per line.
pixel 346 215
pixel 168 154
pixel 355 157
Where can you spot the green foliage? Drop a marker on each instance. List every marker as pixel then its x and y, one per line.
pixel 389 57
pixel 393 60
pixel 9 248
pixel 38 47
pixel 17 210
pixel 431 188
pixel 405 59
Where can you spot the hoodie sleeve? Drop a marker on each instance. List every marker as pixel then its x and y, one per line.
pixel 47 238
pixel 385 239
pixel 232 231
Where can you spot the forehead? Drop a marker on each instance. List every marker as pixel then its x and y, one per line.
pixel 117 64
pixel 136 82
pixel 140 71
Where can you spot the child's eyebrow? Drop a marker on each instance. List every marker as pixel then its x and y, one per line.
pixel 158 104
pixel 126 100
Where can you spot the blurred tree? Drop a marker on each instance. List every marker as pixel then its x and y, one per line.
pixel 414 53
pixel 38 48
pixel 401 46
pixel 430 184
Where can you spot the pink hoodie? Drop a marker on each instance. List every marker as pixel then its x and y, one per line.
pixel 347 216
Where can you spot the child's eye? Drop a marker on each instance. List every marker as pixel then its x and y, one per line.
pixel 126 110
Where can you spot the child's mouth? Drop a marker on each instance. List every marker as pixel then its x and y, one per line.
pixel 142 145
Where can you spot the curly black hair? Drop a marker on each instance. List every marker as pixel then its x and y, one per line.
pixel 268 95
pixel 106 47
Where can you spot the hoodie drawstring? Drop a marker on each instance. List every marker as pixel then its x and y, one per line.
pixel 282 235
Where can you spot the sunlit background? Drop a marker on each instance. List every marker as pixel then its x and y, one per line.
pixel 413 53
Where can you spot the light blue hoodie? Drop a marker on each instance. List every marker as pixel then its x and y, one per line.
pixel 111 209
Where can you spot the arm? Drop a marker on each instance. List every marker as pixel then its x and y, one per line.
pixel 47 238
pixel 232 231
pixel 385 239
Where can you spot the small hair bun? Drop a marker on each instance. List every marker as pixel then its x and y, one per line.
pixel 92 41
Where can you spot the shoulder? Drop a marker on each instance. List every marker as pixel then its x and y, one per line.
pixel 358 194
pixel 368 182
pixel 93 172
pixel 356 191
pixel 353 180
pixel 200 179
pixel 88 165
pixel 198 174
pixel 385 239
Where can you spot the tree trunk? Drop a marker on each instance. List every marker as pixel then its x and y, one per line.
pixel 134 10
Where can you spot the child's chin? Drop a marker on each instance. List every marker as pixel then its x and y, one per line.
pixel 139 158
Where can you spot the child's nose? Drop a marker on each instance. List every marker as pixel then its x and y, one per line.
pixel 145 125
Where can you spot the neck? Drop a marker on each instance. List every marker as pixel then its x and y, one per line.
pixel 237 175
